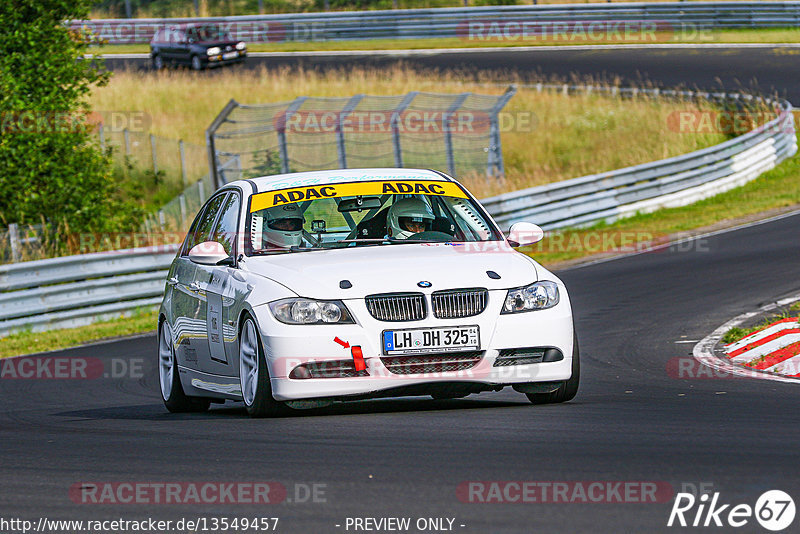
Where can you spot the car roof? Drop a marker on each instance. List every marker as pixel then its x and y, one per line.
pixel 299 179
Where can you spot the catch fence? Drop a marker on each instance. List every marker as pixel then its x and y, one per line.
pixel 459 133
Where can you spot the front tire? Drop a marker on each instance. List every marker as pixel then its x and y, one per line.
pixel 172 393
pixel 196 64
pixel 158 62
pixel 254 375
pixel 569 388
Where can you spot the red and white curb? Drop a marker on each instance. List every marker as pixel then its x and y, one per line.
pixel 772 353
pixel 775 349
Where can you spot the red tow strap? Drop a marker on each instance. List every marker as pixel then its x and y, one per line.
pixel 358 358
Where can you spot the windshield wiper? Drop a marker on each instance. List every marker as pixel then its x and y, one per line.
pixel 294 248
pixel 366 240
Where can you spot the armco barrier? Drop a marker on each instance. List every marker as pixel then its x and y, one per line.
pixel 531 20
pixel 75 290
pixel 665 183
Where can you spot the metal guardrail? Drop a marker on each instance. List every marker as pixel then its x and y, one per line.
pixel 75 290
pixel 665 183
pixel 455 22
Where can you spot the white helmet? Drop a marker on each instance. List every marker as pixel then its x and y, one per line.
pixel 406 214
pixel 283 226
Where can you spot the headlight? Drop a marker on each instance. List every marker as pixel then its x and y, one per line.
pixel 240 45
pixel 537 296
pixel 307 311
pixel 213 51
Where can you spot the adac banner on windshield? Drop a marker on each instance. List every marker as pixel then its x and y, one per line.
pixel 280 197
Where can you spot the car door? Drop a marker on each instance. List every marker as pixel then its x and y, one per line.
pixel 219 285
pixel 194 310
pixel 184 299
pixel 174 42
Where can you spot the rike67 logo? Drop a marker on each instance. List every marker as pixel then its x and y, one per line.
pixel 774 510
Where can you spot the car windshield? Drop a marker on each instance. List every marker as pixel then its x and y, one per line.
pixel 342 215
pixel 208 33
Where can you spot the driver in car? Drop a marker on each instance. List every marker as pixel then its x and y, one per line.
pixel 408 217
pixel 284 226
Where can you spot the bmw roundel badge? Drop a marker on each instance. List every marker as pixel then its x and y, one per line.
pixel 424 283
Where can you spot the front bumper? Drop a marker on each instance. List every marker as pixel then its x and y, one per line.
pixel 288 346
pixel 218 61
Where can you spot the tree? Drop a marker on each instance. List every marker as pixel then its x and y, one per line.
pixel 52 166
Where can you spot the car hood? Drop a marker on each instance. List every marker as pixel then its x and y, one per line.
pixel 395 268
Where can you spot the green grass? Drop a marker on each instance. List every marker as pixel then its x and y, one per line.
pixel 778 188
pixel 778 35
pixel 139 322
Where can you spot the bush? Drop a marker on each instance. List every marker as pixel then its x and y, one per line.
pixel 53 167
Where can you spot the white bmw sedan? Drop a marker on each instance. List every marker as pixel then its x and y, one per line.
pixel 304 289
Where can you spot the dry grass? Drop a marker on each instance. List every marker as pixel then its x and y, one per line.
pixel 573 136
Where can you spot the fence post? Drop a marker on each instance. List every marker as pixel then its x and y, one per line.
pixel 291 110
pixel 182 203
pixel 212 151
pixel 13 237
pixel 494 164
pixel 153 150
pixel 398 152
pixel 126 134
pixel 347 110
pixel 448 132
pixel 183 164
pixel 102 133
pixel 162 220
pixel 201 191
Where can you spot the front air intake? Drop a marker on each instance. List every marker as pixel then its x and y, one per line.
pixel 399 307
pixel 459 303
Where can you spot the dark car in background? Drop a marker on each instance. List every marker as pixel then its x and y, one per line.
pixel 197 46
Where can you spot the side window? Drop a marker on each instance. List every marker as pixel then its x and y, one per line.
pixel 203 225
pixel 227 228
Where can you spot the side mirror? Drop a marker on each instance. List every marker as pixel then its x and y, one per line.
pixel 208 253
pixel 524 233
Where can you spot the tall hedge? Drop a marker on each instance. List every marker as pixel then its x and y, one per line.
pixel 52 168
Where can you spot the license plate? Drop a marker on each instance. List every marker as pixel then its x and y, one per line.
pixel 230 55
pixel 422 340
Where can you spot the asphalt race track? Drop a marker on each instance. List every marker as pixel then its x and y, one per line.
pixel 764 70
pixel 633 419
